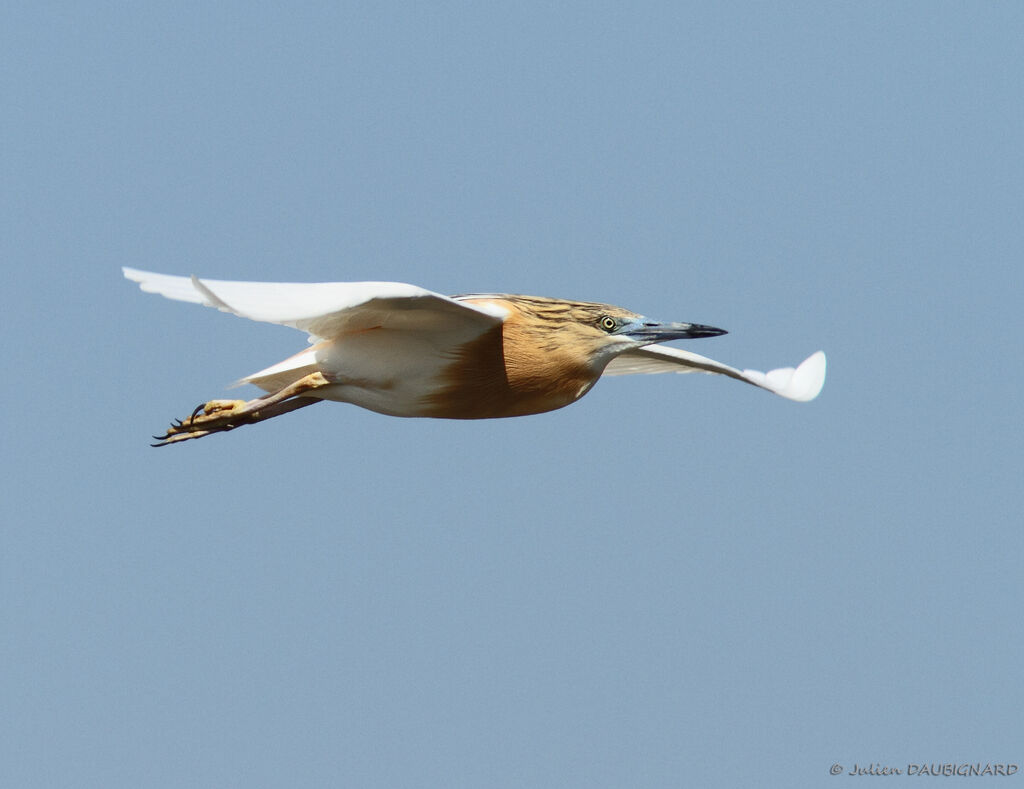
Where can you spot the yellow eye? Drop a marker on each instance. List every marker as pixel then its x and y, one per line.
pixel 608 323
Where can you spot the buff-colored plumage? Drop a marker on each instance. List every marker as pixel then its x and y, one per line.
pixel 404 351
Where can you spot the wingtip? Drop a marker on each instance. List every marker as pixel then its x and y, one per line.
pixel 801 384
pixel 166 285
pixel 808 378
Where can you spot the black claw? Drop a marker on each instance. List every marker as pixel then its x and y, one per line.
pixel 195 413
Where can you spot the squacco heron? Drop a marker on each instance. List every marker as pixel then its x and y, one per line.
pixel 400 350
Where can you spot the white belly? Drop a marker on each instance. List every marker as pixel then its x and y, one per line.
pixel 386 371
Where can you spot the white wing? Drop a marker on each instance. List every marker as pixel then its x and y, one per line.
pixel 802 384
pixel 324 309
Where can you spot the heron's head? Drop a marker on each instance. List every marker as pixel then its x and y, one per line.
pixel 597 331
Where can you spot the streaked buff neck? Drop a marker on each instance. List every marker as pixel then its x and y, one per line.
pixel 532 363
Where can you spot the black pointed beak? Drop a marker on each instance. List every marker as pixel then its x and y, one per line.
pixel 652 331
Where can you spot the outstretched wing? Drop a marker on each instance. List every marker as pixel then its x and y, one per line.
pixel 802 383
pixel 325 310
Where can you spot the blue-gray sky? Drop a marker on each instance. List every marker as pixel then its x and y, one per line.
pixel 677 581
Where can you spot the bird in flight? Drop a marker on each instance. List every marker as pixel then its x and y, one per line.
pixel 404 351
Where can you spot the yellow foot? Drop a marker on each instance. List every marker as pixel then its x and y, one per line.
pixel 219 416
pixel 212 416
pixel 216 407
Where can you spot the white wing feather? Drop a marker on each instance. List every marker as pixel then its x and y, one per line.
pixel 324 309
pixel 802 383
